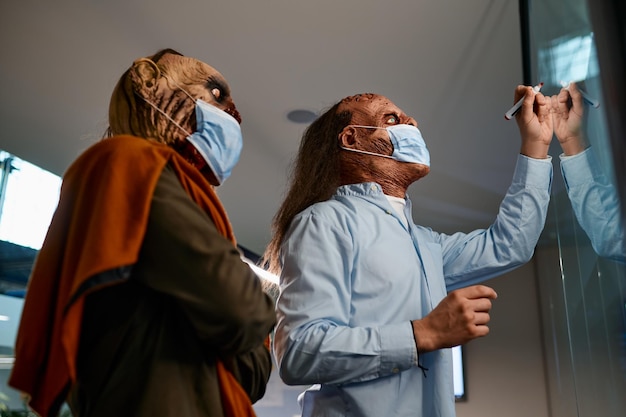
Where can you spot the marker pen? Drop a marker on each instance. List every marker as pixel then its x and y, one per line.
pixel 591 101
pixel 513 110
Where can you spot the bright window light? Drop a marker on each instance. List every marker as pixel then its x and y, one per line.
pixel 262 273
pixel 31 196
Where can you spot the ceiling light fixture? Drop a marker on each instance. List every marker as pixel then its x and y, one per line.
pixel 301 116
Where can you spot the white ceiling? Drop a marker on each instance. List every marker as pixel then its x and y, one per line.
pixel 453 65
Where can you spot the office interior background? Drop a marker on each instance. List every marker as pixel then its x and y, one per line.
pixel 557 345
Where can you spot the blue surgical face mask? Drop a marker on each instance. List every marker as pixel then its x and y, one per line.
pixel 217 137
pixel 408 144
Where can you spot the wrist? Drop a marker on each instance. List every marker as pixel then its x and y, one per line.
pixel 424 341
pixel 535 151
pixel 573 146
pixel 416 324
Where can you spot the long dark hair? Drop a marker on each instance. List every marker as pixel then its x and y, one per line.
pixel 315 176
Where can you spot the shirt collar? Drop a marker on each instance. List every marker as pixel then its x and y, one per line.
pixel 372 192
pixel 362 189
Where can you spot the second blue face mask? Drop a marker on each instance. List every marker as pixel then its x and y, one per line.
pixel 217 138
pixel 408 144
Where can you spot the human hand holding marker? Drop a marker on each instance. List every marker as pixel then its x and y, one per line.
pixel 586 98
pixel 518 105
pixel 534 120
pixel 567 115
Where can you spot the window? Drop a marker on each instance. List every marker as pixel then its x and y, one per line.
pixel 28 198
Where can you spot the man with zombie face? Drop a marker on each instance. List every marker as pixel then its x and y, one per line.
pixel 139 303
pixel 367 310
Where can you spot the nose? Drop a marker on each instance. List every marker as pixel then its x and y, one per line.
pixel 411 121
pixel 232 110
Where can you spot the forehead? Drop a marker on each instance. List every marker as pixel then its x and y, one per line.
pixel 368 106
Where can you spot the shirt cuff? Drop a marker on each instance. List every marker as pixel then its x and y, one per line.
pixel 398 350
pixel 533 172
pixel 580 168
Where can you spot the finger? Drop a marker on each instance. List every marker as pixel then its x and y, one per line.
pixel 480 304
pixel 481 331
pixel 554 103
pixel 558 111
pixel 520 90
pixel 529 102
pixel 543 108
pixel 564 101
pixel 479 291
pixel 540 99
pixel 547 116
pixel 564 96
pixel 577 98
pixel 481 319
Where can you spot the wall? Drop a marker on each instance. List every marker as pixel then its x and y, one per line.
pixel 505 370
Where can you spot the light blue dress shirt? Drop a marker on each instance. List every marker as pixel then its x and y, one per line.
pixel 353 278
pixel 595 203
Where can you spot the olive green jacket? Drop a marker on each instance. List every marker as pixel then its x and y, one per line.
pixel 149 346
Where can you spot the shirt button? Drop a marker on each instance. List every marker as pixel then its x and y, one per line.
pixel 373 187
pixel 395 370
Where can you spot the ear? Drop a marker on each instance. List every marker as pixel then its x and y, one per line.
pixel 144 74
pixel 347 137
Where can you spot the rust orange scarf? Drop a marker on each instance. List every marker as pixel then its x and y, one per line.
pixel 99 225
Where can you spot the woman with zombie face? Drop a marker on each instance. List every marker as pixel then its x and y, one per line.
pixel 139 303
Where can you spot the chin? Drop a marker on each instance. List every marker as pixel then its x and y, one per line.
pixel 212 179
pixel 421 170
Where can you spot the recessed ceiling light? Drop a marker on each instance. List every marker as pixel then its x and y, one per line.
pixel 301 116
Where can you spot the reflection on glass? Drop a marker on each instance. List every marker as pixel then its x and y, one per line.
pixel 596 205
pixel 581 260
pixel 593 197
